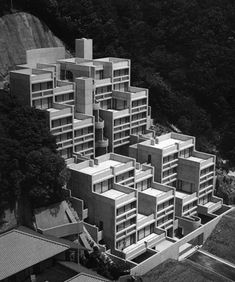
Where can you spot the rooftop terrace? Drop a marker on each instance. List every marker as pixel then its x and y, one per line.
pixel 111 59
pixel 154 192
pixel 100 167
pixel 113 194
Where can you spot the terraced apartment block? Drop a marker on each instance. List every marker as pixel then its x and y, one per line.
pixel 106 109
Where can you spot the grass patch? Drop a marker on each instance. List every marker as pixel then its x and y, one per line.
pixel 172 270
pixel 222 240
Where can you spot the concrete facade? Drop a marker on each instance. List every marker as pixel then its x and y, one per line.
pixel 128 216
pixel 98 88
pixel 39 88
pixel 192 173
pixel 137 216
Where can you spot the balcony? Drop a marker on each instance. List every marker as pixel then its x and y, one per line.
pixel 120 113
pixel 61 128
pixel 206 176
pixel 127 180
pixel 169 178
pixel 120 201
pixel 166 224
pixel 41 76
pixel 210 207
pixel 172 163
pixel 64 144
pixel 126 215
pixel 69 87
pixel 121 78
pixel 166 211
pixel 83 139
pixel 103 96
pixel 123 167
pixel 102 143
pixel 126 230
pixel 96 106
pixel 206 190
pixel 81 121
pixel 190 211
pixel 102 82
pixel 149 241
pixel 143 220
pixel 143 174
pixel 85 213
pixel 42 93
pixel 138 109
pixel 99 124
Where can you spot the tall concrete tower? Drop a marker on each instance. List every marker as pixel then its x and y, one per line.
pixel 84 48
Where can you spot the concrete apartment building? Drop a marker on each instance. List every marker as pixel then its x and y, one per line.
pixel 130 218
pixel 178 164
pixel 105 105
pixel 39 88
pixel 142 221
pixel 103 86
pixel 145 208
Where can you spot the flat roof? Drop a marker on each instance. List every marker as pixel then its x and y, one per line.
pixel 77 120
pixel 153 192
pixel 98 168
pixel 53 110
pixel 111 59
pixel 167 143
pixel 181 195
pixel 112 110
pixel 162 245
pixel 195 159
pixel 21 250
pixel 51 216
pixel 113 194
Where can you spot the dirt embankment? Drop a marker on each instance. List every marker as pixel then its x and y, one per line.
pixel 20 32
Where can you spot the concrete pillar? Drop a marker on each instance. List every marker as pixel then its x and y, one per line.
pixel 83 48
pixel 84 96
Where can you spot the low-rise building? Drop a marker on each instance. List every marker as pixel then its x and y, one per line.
pixel 25 253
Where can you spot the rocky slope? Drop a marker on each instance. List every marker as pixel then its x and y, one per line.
pixel 20 32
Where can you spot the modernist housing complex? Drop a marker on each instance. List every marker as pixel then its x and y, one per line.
pixel 137 214
pixel 123 200
pixel 92 109
pixel 154 203
pixel 178 164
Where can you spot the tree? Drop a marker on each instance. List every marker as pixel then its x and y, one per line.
pixel 31 171
pixel 45 176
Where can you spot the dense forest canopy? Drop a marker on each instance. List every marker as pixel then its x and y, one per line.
pixel 31 171
pixel 182 50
